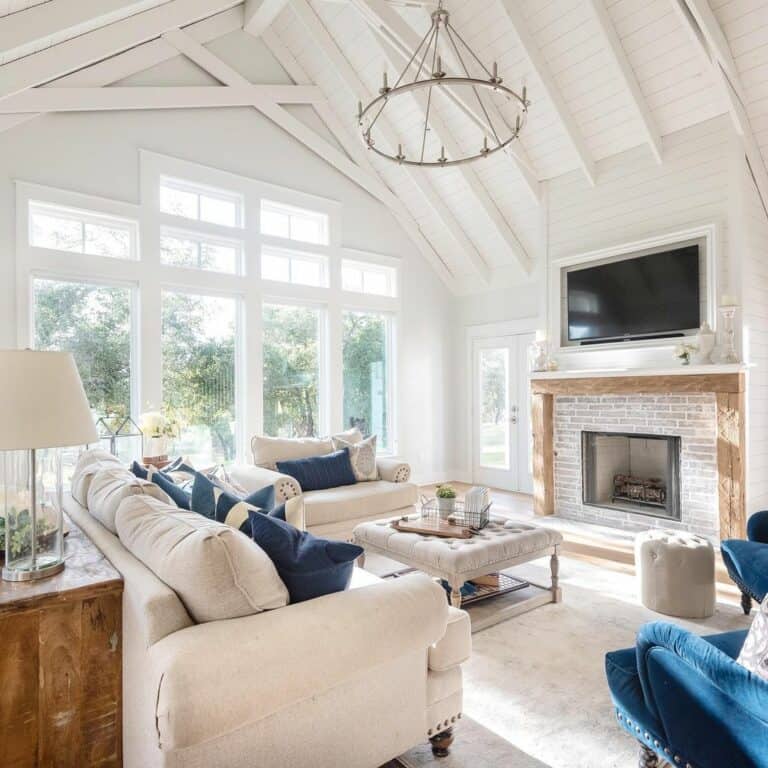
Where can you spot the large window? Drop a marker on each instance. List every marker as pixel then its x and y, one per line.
pixel 291 370
pixel 366 361
pixel 199 374
pixel 94 323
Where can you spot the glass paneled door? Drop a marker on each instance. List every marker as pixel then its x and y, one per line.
pixel 502 414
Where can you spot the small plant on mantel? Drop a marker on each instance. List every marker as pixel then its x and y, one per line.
pixel 684 352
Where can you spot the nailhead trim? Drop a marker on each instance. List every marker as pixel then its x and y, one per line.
pixel 647 736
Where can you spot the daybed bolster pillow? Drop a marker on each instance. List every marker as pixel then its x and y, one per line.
pixel 267 451
pixel 253 479
pixel 278 660
pixel 394 470
pixel 88 464
pixel 455 646
pixel 216 571
pixel 110 486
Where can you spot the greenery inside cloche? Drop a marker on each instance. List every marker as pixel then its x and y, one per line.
pixel 22 535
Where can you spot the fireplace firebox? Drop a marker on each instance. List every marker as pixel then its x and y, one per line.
pixel 631 472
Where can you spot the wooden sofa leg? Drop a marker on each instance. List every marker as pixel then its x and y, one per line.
pixel 648 758
pixel 746 603
pixel 441 743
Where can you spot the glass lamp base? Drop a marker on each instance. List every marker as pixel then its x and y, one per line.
pixel 24 571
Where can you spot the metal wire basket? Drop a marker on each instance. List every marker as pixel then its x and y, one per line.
pixel 459 515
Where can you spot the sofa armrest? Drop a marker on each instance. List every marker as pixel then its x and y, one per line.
pixel 257 665
pixel 757 527
pixel 255 478
pixel 394 470
pixel 702 662
pixel 455 646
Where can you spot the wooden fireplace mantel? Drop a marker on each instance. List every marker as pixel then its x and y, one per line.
pixel 727 382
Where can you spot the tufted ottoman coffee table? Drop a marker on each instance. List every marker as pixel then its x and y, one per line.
pixel 500 545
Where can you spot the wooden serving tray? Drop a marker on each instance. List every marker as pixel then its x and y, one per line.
pixel 432 528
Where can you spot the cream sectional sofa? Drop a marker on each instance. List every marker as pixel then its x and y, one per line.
pixel 331 513
pixel 350 679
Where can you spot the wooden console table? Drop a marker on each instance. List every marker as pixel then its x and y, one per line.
pixel 726 382
pixel 61 664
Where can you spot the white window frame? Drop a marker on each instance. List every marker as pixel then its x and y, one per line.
pixel 373 262
pixel 296 253
pixel 150 277
pixel 202 237
pixel 290 209
pixel 205 190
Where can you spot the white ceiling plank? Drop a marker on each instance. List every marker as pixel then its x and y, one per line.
pixel 259 15
pixel 705 32
pixel 628 77
pixel 539 62
pixel 38 24
pixel 389 24
pixel 160 97
pixel 323 39
pixel 301 132
pixel 61 59
pixel 138 59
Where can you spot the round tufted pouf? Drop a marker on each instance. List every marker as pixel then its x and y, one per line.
pixel 676 573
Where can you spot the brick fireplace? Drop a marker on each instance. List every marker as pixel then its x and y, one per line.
pixel 689 441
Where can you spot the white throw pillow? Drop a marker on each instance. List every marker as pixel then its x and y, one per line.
pixel 362 455
pixel 110 486
pixel 754 652
pixel 217 572
pixel 267 451
pixel 88 464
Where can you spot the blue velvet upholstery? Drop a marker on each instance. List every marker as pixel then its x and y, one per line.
pixel 747 561
pixel 687 699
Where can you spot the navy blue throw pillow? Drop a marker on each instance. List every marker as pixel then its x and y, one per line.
pixel 179 496
pixel 215 502
pixel 317 473
pixel 310 567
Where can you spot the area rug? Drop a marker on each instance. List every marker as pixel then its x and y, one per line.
pixel 474 747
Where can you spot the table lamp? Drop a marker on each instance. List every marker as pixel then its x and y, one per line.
pixel 43 408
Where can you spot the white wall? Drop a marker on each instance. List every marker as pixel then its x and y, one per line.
pixel 97 153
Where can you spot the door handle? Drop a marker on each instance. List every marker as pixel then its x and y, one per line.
pixel 513 417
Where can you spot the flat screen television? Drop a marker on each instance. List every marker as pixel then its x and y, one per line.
pixel 651 296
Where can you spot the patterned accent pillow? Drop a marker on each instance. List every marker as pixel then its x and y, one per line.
pixel 754 652
pixel 363 457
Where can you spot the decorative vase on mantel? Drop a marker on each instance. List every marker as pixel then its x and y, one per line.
pixel 706 344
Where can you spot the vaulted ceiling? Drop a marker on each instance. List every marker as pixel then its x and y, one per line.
pixel 603 76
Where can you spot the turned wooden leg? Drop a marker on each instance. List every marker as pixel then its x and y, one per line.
pixel 746 603
pixel 554 567
pixel 456 596
pixel 441 744
pixel 361 561
pixel 648 758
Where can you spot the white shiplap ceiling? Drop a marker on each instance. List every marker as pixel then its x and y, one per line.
pixel 604 76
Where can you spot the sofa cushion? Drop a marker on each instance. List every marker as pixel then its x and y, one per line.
pixel 267 451
pixel 747 564
pixel 110 486
pixel 319 473
pixel 216 572
pixel 309 566
pixel 754 653
pixel 88 464
pixel 363 499
pixel 362 456
pixel 455 646
pixel 215 502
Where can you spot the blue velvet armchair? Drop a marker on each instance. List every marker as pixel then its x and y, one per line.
pixel 687 701
pixel 747 561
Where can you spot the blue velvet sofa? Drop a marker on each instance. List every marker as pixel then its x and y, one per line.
pixel 747 561
pixel 687 701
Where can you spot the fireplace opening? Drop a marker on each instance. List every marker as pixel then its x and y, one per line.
pixel 631 473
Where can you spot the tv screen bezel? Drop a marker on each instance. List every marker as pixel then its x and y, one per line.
pixel 585 262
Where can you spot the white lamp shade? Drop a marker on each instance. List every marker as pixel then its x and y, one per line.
pixel 42 401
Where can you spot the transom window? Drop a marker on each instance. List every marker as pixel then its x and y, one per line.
pixel 200 203
pixel 179 248
pixel 294 267
pixel 68 229
pixel 365 277
pixel 279 220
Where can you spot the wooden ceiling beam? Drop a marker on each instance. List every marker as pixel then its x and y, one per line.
pixel 91 47
pixel 280 116
pixel 259 15
pixel 541 66
pixel 628 77
pixel 322 38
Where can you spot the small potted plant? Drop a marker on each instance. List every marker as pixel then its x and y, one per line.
pixel 684 352
pixel 446 500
